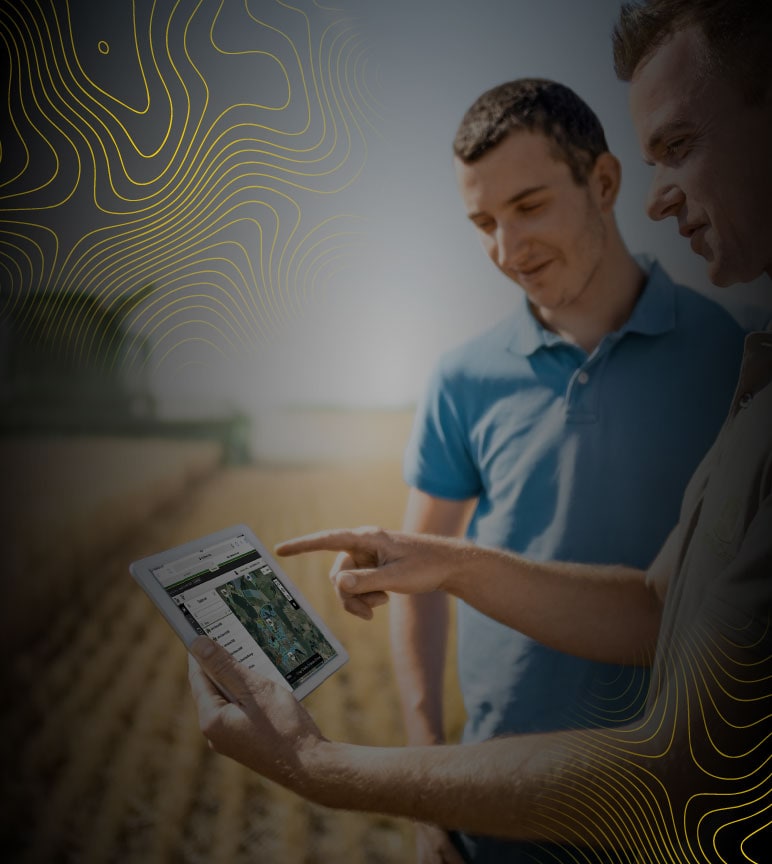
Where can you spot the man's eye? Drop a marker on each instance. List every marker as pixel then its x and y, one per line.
pixel 530 208
pixel 676 147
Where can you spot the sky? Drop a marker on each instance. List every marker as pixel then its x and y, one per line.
pixel 371 336
pixel 281 175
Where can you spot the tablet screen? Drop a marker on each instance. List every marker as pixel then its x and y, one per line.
pixel 229 592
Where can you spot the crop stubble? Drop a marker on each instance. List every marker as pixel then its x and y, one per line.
pixel 104 759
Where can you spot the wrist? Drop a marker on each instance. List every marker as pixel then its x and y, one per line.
pixel 461 561
pixel 475 569
pixel 353 777
pixel 325 766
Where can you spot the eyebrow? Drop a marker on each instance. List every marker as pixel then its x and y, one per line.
pixel 514 199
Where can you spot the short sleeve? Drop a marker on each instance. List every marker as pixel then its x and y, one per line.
pixel 663 568
pixel 438 459
pixel 741 597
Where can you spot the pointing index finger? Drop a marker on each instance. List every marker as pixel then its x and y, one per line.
pixel 337 540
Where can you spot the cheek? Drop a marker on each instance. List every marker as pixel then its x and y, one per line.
pixel 729 218
pixel 490 248
pixel 589 240
pixel 697 182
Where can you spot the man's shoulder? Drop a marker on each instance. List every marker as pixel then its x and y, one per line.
pixel 481 350
pixel 710 314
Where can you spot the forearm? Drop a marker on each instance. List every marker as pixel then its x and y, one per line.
pixel 601 612
pixel 419 626
pixel 570 787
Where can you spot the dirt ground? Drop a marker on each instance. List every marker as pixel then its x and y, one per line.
pixel 103 760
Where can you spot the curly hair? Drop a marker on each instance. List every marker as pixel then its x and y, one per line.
pixel 535 105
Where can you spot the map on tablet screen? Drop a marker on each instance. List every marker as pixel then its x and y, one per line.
pixel 228 587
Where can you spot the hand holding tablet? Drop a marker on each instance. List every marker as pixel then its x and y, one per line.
pixel 228 587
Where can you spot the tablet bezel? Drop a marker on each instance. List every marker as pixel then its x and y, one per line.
pixel 142 572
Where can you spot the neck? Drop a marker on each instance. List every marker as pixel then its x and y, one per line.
pixel 605 304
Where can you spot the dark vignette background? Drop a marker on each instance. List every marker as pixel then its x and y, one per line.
pixel 214 217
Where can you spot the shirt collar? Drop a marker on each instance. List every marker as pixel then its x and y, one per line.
pixel 655 311
pixel 652 315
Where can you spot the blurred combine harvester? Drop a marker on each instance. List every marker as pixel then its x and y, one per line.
pixel 69 364
pixel 85 456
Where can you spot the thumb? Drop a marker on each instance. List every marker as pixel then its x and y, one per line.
pixel 232 678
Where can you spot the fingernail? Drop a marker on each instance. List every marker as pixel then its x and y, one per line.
pixel 348 581
pixel 202 647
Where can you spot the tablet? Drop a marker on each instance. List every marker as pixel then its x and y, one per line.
pixel 228 587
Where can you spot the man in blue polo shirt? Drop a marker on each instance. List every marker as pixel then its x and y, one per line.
pixel 590 405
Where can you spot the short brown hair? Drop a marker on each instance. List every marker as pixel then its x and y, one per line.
pixel 536 105
pixel 737 33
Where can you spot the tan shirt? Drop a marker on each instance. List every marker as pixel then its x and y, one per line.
pixel 715 569
pixel 710 701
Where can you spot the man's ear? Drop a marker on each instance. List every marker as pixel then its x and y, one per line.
pixel 605 179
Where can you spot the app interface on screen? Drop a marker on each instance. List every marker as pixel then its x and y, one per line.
pixel 230 593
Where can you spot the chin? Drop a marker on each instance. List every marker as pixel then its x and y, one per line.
pixel 720 278
pixel 723 273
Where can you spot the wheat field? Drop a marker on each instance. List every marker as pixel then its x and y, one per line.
pixel 103 759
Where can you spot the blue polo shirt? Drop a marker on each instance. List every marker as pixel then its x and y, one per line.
pixel 573 457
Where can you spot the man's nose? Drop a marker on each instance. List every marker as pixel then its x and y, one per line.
pixel 509 243
pixel 665 197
